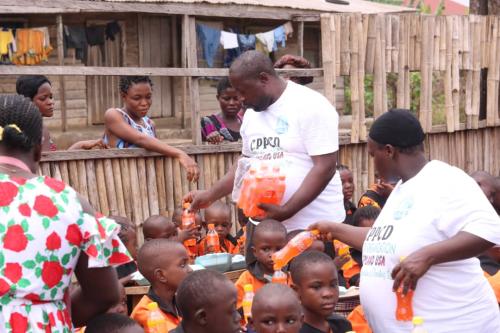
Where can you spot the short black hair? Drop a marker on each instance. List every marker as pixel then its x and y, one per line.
pixel 342 167
pixel 269 225
pixel 152 254
pixel 222 85
pixel 271 292
pixel 365 213
pixel 27 85
pixel 109 323
pixel 298 266
pixel 21 122
pixel 250 64
pixel 199 289
pixel 127 81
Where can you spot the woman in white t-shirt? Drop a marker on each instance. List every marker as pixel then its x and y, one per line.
pixel 437 219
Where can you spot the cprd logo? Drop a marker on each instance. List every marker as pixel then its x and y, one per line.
pixel 265 143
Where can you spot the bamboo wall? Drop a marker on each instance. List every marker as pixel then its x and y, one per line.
pixel 355 45
pixel 138 184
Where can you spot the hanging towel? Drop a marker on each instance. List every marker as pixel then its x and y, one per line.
pixel 95 35
pixel 210 41
pixel 279 37
pixel 288 29
pixel 247 42
pixel 229 40
pixel 267 40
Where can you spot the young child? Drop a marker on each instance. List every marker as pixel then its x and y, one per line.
pixel 113 323
pixel 164 263
pixel 183 235
pixel 276 309
pixel 269 237
pixel 130 127
pixel 347 191
pixel 128 236
pixel 219 214
pixel 314 277
pixel 207 302
pixel 158 226
pixel 363 217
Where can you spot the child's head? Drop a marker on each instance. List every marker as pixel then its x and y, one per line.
pixel 228 97
pixel 137 94
pixel 127 234
pixel 113 323
pixel 219 214
pixel 269 237
pixel 158 226
pixel 207 302
pixel 365 216
pixel 317 245
pixel 164 263
pixel 347 181
pixel 315 280
pixel 39 90
pixel 276 308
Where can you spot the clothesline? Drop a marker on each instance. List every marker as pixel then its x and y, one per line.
pixel 234 44
pixel 24 46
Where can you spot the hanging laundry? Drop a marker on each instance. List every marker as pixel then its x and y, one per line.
pixel 229 40
pixel 246 42
pixel 267 40
pixel 288 29
pixel 279 37
pixel 95 35
pixel 76 38
pixel 32 46
pixel 210 42
pixel 112 29
pixel 7 46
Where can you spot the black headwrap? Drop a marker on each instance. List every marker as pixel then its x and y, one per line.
pixel 397 127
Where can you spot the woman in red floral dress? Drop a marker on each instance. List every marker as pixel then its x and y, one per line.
pixel 47 232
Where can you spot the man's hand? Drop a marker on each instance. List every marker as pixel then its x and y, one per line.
pixel 276 212
pixel 199 199
pixel 407 272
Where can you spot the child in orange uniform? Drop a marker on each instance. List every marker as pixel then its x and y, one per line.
pixel 219 214
pixel 184 235
pixel 164 263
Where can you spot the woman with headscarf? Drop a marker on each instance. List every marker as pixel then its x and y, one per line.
pixel 425 240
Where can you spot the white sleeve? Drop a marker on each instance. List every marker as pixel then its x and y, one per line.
pixel 245 147
pixel 466 208
pixel 319 127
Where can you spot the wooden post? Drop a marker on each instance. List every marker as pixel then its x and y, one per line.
pixel 194 83
pixel 328 55
pixel 300 38
pixel 60 58
pixel 184 64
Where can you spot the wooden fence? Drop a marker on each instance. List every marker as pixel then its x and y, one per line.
pixel 355 45
pixel 138 184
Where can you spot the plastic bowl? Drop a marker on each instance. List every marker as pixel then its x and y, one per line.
pixel 217 261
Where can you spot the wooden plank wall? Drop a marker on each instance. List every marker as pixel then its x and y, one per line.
pixel 456 47
pixel 138 184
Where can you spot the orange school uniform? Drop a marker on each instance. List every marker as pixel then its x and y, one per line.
pixel 494 281
pixel 141 312
pixel 358 320
pixel 227 247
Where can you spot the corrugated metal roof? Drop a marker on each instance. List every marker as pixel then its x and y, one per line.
pixel 361 6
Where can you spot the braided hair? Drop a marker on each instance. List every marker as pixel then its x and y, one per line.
pixel 127 81
pixel 21 122
pixel 27 85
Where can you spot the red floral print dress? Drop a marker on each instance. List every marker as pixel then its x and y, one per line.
pixel 43 230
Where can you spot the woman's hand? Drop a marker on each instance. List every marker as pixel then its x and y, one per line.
pixel 191 167
pixel 215 138
pixel 408 271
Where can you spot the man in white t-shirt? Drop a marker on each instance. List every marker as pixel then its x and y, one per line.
pixel 291 123
pixel 434 223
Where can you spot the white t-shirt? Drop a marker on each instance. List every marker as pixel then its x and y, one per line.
pixel 433 206
pixel 300 124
